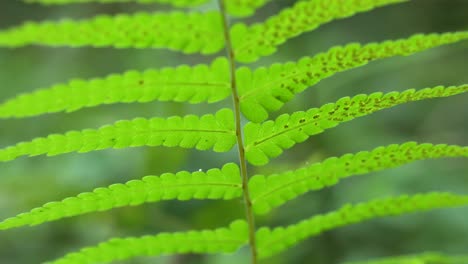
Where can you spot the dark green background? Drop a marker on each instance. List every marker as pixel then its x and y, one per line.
pixel 29 182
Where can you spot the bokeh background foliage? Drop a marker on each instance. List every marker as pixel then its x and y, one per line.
pixel 29 182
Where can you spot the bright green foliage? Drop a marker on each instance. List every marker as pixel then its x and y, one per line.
pixel 225 240
pixel 202 32
pixel 267 89
pixel 261 39
pixel 244 8
pixel 424 258
pixel 177 3
pixel 206 132
pixel 201 83
pixel 271 242
pixel 269 139
pixel 276 189
pixel 213 184
pixel 261 91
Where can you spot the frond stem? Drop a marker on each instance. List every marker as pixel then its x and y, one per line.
pixel 240 143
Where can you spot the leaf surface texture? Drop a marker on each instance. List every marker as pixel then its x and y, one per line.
pixel 271 191
pixel 186 32
pixel 268 140
pixel 271 242
pixel 213 184
pixel 197 84
pixel 206 132
pixel 268 89
pixel 261 39
pixel 221 240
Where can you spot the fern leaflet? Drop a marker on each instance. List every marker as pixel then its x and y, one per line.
pixel 269 139
pixel 177 3
pixel 267 89
pixel 274 241
pixel 428 257
pixel 206 132
pixel 202 32
pixel 213 184
pixel 224 240
pixel 201 83
pixel 261 39
pixel 274 190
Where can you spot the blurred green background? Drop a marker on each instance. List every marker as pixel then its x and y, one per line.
pixel 29 182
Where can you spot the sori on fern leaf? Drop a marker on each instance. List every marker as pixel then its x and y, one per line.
pixel 256 93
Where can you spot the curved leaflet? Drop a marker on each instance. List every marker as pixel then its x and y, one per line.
pixel 268 89
pixel 213 184
pixel 221 240
pixel 197 84
pixel 269 139
pixel 206 132
pixel 271 242
pixel 261 39
pixel 202 32
pixel 271 191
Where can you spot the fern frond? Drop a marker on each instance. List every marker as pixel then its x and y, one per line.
pixel 261 39
pixel 269 139
pixel 213 184
pixel 221 240
pixel 267 89
pixel 274 190
pixel 201 83
pixel 428 257
pixel 177 3
pixel 201 32
pixel 243 8
pixel 206 132
pixel 274 241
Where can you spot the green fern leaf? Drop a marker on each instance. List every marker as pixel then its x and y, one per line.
pixel 269 139
pixel 202 32
pixel 274 190
pixel 274 241
pixel 213 184
pixel 261 39
pixel 243 8
pixel 177 3
pixel 206 132
pixel 424 258
pixel 221 240
pixel 196 84
pixel 267 89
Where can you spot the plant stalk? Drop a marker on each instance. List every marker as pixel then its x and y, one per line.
pixel 240 143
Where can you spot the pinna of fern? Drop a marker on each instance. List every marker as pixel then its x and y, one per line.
pixel 205 132
pixel 222 183
pixel 268 140
pixel 197 84
pixel 221 240
pixel 273 241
